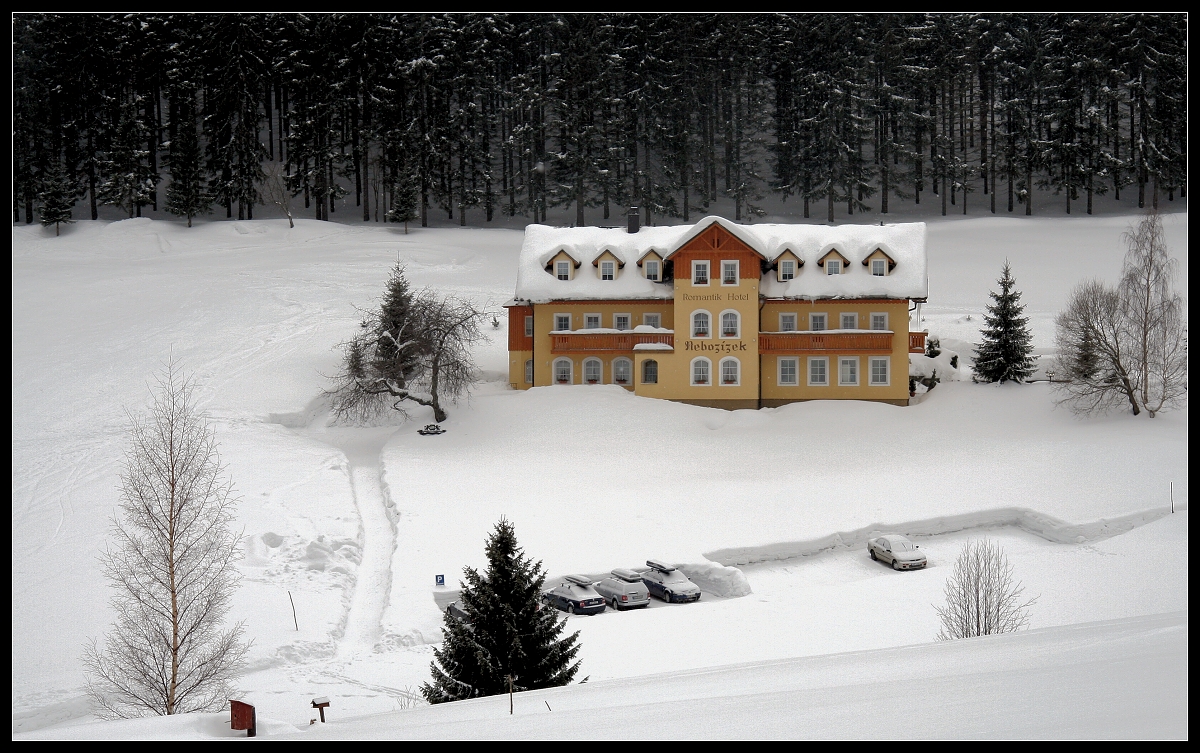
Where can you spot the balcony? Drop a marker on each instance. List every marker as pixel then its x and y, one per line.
pixel 916 342
pixel 605 342
pixel 821 342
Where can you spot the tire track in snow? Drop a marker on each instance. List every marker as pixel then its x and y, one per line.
pixel 373 578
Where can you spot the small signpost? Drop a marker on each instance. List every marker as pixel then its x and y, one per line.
pixel 242 716
pixel 439 580
pixel 321 704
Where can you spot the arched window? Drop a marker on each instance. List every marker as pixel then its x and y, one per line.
pixel 701 372
pixel 529 372
pixel 731 372
pixel 593 371
pixel 700 324
pixel 730 324
pixel 650 372
pixel 622 371
pixel 562 371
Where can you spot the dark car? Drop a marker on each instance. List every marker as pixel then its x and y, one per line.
pixel 455 610
pixel 668 584
pixel 575 595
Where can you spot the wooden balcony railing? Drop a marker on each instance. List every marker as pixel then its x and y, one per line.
pixel 578 342
pixel 916 342
pixel 809 342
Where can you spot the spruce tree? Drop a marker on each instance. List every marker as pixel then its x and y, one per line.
pixel 1006 352
pixel 510 634
pixel 186 196
pixel 398 333
pixel 56 195
pixel 404 200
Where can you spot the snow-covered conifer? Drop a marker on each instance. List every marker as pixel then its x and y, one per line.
pixel 186 195
pixel 56 195
pixel 1006 353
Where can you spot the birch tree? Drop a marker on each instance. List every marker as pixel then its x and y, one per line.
pixel 981 596
pixel 171 566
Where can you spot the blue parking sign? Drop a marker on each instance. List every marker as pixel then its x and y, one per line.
pixel 439 580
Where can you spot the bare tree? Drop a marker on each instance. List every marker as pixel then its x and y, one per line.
pixel 275 190
pixel 1127 344
pixel 172 568
pixel 981 597
pixel 416 348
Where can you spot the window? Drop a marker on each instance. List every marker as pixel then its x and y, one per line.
pixel 879 321
pixel 562 322
pixel 701 368
pixel 608 270
pixel 529 372
pixel 652 320
pixel 651 268
pixel 833 267
pixel 699 273
pixel 593 370
pixel 730 372
pixel 529 326
pixel 818 372
pixel 729 273
pixel 849 321
pixel 816 322
pixel 787 322
pixel 591 321
pixel 787 270
pixel 562 270
pixel 848 371
pixel 879 267
pixel 729 324
pixel 879 372
pixel 562 371
pixel 622 371
pixel 788 368
pixel 650 372
pixel 621 321
pixel 700 324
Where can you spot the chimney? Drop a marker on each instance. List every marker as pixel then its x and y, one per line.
pixel 634 220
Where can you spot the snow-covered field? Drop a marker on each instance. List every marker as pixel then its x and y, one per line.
pixel 355 523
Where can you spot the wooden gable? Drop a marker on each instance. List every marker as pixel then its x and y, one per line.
pixel 651 255
pixel 879 253
pixel 833 253
pixel 714 244
pixel 562 255
pixel 607 255
pixel 787 254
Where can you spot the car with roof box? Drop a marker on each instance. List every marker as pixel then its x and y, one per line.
pixel 624 589
pixel 576 595
pixel 668 583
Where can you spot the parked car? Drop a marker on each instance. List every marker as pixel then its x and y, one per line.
pixel 668 584
pixel 897 550
pixel 576 595
pixel 455 610
pixel 624 590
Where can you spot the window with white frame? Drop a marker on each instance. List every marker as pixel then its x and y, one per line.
pixel 818 371
pixel 622 371
pixel 562 322
pixel 787 322
pixel 621 321
pixel 833 267
pixel 562 270
pixel 699 273
pixel 729 272
pixel 608 270
pixel 701 324
pixel 701 371
pixel 848 371
pixel 650 371
pixel 593 371
pixel 529 372
pixel 787 270
pixel 788 372
pixel 879 267
pixel 818 322
pixel 730 324
pixel 651 268
pixel 731 372
pixel 879 321
pixel 879 372
pixel 849 321
pixel 652 320
pixel 562 371
pixel 591 321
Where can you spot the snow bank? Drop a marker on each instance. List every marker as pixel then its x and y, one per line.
pixel 718 580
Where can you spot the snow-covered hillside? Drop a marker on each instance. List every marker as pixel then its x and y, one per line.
pixel 355 523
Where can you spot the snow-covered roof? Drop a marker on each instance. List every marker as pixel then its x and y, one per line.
pixel 903 243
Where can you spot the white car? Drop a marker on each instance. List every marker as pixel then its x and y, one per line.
pixel 624 590
pixel 897 550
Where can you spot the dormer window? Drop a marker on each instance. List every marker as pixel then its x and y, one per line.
pixel 787 270
pixel 652 271
pixel 562 270
pixel 608 270
pixel 879 267
pixel 833 267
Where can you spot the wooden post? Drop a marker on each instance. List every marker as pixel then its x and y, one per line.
pixel 294 620
pixel 510 696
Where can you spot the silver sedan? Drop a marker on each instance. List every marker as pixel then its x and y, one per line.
pixel 624 590
pixel 897 550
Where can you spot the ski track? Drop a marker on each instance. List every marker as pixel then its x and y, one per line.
pixel 373 581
